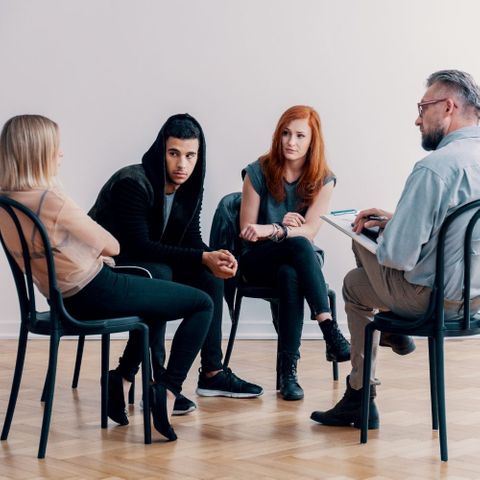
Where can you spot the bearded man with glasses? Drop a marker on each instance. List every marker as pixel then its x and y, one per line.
pixel 400 275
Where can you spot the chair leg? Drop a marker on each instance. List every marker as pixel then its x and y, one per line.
pixel 131 394
pixel 147 429
pixel 433 382
pixel 367 369
pixel 274 308
pixel 17 378
pixel 45 388
pixel 47 412
pixel 442 416
pixel 78 360
pixel 104 380
pixel 233 331
pixel 335 371
pixel 332 298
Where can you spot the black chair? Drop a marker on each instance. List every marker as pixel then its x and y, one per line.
pixel 432 325
pixel 225 234
pixel 57 323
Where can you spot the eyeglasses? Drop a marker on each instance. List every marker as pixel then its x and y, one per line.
pixel 428 102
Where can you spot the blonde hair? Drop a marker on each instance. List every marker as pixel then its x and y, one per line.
pixel 29 146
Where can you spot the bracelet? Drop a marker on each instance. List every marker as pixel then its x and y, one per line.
pixel 285 231
pixel 276 230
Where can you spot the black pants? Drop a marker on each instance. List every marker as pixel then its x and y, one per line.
pixel 112 294
pixel 199 277
pixel 293 268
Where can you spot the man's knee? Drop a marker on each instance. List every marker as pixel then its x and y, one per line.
pixel 205 301
pixel 352 280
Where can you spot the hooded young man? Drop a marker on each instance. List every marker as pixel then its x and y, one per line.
pixel 153 209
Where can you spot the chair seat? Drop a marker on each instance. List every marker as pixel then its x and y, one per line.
pixel 42 325
pixel 393 323
pixel 268 293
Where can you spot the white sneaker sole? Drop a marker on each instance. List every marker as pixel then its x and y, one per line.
pixel 178 413
pixel 205 392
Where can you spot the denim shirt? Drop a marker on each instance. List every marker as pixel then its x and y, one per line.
pixel 440 183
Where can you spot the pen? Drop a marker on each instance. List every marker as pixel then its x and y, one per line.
pixel 343 212
pixel 378 218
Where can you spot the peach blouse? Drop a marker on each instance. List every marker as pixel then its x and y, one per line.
pixel 77 241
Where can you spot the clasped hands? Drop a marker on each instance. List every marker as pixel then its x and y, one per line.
pixel 369 218
pixel 221 263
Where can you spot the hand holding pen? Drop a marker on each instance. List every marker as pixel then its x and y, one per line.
pixel 371 217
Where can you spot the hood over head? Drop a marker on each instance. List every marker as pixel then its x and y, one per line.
pixel 190 193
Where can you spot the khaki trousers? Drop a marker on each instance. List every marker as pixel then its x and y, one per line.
pixel 371 287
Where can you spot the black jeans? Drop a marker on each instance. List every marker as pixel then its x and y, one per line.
pixel 112 294
pixel 293 268
pixel 199 277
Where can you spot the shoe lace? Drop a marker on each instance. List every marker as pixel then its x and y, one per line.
pixel 230 377
pixel 337 338
pixel 289 368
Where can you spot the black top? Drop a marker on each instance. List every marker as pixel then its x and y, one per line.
pixel 130 206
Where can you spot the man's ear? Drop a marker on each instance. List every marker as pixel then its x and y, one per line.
pixel 450 105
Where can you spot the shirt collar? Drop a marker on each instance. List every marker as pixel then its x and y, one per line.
pixel 465 132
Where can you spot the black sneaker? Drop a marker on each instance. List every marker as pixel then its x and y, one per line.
pixel 183 405
pixel 226 384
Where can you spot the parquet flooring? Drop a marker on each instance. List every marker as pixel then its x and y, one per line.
pixel 263 438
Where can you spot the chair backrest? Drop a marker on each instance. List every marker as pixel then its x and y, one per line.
pixel 225 224
pixel 434 317
pixel 225 233
pixel 466 323
pixel 17 216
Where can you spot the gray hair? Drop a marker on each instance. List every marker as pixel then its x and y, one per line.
pixel 461 83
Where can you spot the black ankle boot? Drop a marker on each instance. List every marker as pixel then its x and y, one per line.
pixel 338 348
pixel 348 410
pixel 288 381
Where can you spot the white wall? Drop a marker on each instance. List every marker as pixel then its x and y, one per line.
pixel 111 71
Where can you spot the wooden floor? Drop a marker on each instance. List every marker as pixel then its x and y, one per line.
pixel 263 438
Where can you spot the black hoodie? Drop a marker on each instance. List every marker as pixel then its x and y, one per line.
pixel 130 206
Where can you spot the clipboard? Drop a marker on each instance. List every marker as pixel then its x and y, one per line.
pixel 343 222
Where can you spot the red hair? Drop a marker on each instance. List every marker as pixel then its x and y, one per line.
pixel 315 168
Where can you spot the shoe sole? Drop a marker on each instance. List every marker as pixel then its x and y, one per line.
pixel 204 392
pixel 292 398
pixel 178 413
pixel 333 358
pixel 372 425
pixel 400 351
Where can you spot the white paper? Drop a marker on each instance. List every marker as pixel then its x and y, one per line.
pixel 344 224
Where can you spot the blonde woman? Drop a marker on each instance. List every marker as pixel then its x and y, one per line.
pixel 30 156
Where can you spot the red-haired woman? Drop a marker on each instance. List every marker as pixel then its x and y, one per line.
pixel 284 194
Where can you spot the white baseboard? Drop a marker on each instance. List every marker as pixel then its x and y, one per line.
pixel 251 328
